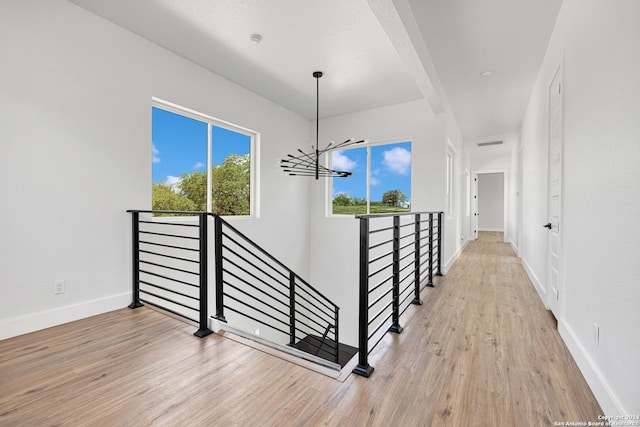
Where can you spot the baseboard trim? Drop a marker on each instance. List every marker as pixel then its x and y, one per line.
pixel 542 293
pixel 500 230
pixel 601 390
pixel 514 247
pixel 454 257
pixel 45 319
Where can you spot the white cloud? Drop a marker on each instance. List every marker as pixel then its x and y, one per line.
pixel 155 154
pixel 341 162
pixel 375 181
pixel 397 160
pixel 173 181
pixel 198 165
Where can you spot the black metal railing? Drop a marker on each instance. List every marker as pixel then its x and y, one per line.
pixel 170 265
pixel 399 255
pixel 170 271
pixel 254 285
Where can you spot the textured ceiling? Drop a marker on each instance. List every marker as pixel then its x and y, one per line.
pixel 373 52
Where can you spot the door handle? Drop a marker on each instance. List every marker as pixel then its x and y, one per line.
pixel 548 225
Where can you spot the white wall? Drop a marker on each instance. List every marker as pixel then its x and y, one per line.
pixel 597 44
pixel 491 202
pixel 335 239
pixel 75 153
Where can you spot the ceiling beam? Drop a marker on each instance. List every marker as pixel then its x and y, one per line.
pixel 398 21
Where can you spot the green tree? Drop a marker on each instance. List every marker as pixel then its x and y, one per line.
pixel 394 198
pixel 359 201
pixel 193 186
pixel 231 185
pixel 342 199
pixel 231 189
pixel 164 198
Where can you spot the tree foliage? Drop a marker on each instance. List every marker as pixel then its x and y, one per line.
pixel 231 189
pixel 232 186
pixel 165 198
pixel 394 198
pixel 342 199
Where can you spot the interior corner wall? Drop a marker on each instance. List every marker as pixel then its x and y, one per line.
pixel 335 239
pixel 75 154
pixel 596 43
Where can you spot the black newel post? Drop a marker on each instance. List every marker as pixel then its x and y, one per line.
pixel 440 234
pixel 218 266
pixel 363 368
pixel 135 264
pixel 430 275
pixel 337 335
pixel 416 277
pixel 292 309
pixel 395 302
pixel 203 329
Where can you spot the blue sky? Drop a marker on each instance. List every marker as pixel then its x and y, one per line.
pixel 180 145
pixel 390 170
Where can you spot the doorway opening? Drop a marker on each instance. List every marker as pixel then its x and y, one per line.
pixel 490 207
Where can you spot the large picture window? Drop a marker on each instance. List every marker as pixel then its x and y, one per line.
pixel 380 180
pixel 200 163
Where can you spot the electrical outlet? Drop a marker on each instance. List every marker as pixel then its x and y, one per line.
pixel 256 332
pixel 58 287
pixel 596 334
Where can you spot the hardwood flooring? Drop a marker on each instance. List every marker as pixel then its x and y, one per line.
pixel 481 351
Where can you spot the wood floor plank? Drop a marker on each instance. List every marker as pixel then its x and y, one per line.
pixel 480 351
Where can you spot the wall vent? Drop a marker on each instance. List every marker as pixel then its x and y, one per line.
pixel 486 144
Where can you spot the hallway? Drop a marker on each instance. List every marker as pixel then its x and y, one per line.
pixel 481 351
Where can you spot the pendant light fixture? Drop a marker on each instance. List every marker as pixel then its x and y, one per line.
pixel 308 164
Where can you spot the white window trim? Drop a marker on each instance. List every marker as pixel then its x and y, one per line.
pixel 213 121
pixel 450 181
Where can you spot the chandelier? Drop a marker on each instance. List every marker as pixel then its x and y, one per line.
pixel 308 164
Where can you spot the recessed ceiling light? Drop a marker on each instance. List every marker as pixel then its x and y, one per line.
pixel 256 38
pixel 487 73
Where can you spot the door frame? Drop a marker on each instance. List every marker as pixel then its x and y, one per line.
pixel 554 299
pixel 505 177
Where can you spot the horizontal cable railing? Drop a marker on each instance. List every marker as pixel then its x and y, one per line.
pixel 256 286
pixel 170 271
pixel 170 265
pixel 399 255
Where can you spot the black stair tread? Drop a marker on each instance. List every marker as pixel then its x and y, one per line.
pixel 310 344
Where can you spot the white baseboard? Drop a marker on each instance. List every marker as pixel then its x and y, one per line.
pixel 536 283
pixel 501 230
pixel 46 319
pixel 601 390
pixel 514 247
pixel 454 257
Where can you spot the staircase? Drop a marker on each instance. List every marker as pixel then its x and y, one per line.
pixel 256 295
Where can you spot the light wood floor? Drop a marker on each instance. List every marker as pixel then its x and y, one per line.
pixel 480 351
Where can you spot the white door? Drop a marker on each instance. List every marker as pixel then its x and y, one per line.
pixel 555 194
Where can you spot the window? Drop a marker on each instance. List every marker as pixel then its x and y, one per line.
pixel 380 180
pixel 200 163
pixel 449 196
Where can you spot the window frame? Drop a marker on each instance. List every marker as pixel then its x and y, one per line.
pixel 368 146
pixel 450 156
pixel 254 138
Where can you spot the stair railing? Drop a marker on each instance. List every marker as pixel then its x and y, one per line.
pixel 399 254
pixel 253 284
pixel 170 271
pixel 170 266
